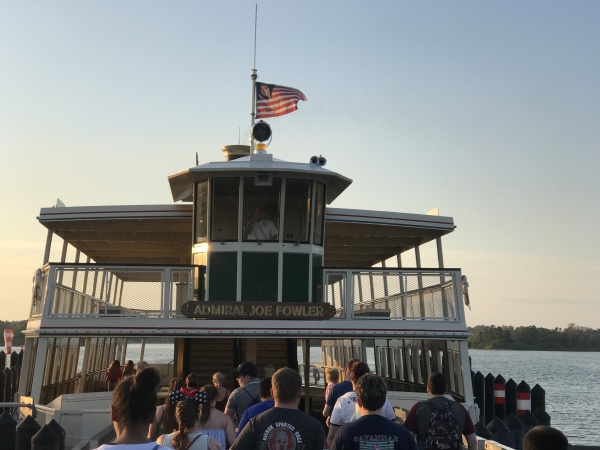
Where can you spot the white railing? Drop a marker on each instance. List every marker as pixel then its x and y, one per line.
pixel 397 294
pixel 88 290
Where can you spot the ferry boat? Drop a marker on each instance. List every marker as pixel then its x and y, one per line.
pixel 249 263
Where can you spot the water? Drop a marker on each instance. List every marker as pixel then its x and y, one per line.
pixel 568 379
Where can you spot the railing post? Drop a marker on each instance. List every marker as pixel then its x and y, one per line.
pixel 8 429
pixel 45 439
pixel 167 281
pixel 25 431
pixel 349 295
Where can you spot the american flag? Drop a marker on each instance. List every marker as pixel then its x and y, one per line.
pixel 273 100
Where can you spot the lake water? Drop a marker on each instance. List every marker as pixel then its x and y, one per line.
pixel 567 377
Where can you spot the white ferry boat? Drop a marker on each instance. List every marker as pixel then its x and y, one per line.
pixel 247 264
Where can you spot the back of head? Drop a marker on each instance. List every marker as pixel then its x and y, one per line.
pixel 142 365
pixel 545 438
pixel 212 393
pixel 357 370
pixel 218 377
pixel 333 375
pixel 371 391
pixel 436 383
pixel 192 381
pixel 264 387
pixel 287 383
pixel 351 362
pixel 134 398
pixel 186 413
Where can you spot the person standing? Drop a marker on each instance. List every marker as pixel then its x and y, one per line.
pixel 188 437
pixel 132 410
pixel 346 408
pixel 246 395
pixel 338 390
pixel 113 375
pixel 218 379
pixel 372 431
pixel 332 377
pixel 266 402
pixel 284 426
pixel 426 420
pixel 213 422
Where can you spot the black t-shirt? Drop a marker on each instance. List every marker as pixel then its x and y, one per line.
pixel 372 432
pixel 281 429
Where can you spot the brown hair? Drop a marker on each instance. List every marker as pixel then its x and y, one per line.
pixel 114 367
pixel 134 398
pixel 357 370
pixel 129 369
pixel 372 391
pixel 192 381
pixel 211 394
pixel 169 422
pixel 186 418
pixel 286 385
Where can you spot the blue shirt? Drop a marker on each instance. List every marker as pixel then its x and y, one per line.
pixel 373 432
pixel 337 391
pixel 255 410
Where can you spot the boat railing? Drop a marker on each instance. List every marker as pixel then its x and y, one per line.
pixel 397 294
pixel 90 290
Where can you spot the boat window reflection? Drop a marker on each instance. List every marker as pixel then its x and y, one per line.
pixel 297 211
pixel 201 210
pixel 225 205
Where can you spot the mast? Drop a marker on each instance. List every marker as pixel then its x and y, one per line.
pixel 254 77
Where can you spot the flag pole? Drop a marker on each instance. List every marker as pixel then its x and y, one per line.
pixel 254 77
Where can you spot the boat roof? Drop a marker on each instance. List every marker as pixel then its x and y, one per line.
pixel 162 234
pixel 182 183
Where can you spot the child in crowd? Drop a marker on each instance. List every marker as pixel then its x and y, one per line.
pixel 332 377
pixel 188 437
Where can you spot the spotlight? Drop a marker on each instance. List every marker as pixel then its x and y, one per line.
pixel 261 131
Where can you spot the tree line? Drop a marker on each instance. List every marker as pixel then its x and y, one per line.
pixel 573 338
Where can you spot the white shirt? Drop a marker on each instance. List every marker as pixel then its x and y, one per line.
pixel 148 446
pixel 262 230
pixel 346 410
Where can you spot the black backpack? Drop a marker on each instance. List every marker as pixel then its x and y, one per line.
pixel 443 431
pixel 254 401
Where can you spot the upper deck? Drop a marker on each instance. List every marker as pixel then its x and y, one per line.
pixel 135 274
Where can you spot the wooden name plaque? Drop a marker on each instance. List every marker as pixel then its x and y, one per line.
pixel 258 310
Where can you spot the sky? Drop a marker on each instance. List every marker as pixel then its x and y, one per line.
pixel 488 111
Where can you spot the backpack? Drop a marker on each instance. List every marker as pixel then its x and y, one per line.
pixel 254 401
pixel 442 430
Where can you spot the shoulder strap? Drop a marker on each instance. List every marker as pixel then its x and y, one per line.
pixel 251 396
pixel 191 443
pixel 155 447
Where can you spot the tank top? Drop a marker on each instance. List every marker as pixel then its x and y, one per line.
pixel 200 444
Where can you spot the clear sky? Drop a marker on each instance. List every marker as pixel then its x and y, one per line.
pixel 489 111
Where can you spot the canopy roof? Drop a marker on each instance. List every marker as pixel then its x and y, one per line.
pixel 162 234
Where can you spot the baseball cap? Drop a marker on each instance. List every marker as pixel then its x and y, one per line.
pixel 245 368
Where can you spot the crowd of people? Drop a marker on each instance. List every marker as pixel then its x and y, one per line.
pixel 264 414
